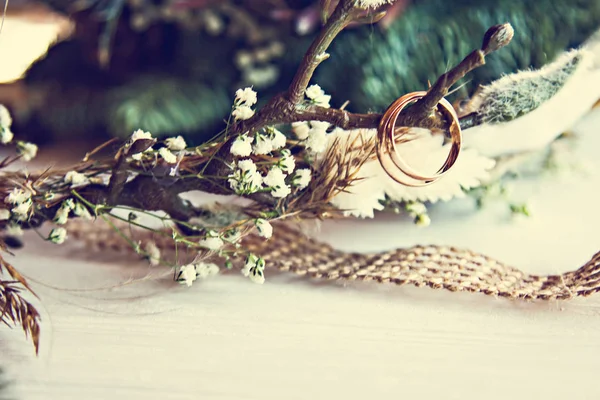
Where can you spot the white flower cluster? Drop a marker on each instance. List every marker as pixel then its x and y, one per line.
pixel 245 178
pixel 6 135
pixel 212 241
pixel 75 178
pixel 21 202
pixel 313 134
pixel 166 153
pixel 62 214
pixel 244 100
pixel 418 211
pixel 317 96
pixel 254 269
pixel 190 272
pixel 262 143
pixel 27 151
pixel 58 235
pixel 265 229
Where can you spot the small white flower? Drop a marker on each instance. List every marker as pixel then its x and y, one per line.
pixel 5 118
pixel 17 196
pixel 245 179
pixel 75 178
pixel 246 97
pixel 242 113
pixel 166 154
pixel 232 236
pixel 278 139
pixel 187 274
pixel 58 235
pixel 287 163
pixel 14 230
pixel 22 209
pixel 317 140
pixel 416 208
pixel 152 253
pixel 140 134
pixel 212 241
pixel 265 229
pixel 301 129
pixel 62 215
pixel 241 146
pixel 81 211
pixel 204 270
pixel 176 143
pixel 314 92
pixel 4 214
pixel 275 177
pixel 301 178
pixel 28 151
pixel 281 191
pixel 6 135
pixel 372 3
pixel 254 269
pixel 318 96
pixel 422 220
pixel 262 144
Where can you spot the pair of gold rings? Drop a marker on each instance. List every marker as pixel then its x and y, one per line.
pixel 387 152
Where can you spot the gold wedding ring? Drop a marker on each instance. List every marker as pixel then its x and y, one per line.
pixel 387 153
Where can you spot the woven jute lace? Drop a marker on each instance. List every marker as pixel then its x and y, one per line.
pixel 440 267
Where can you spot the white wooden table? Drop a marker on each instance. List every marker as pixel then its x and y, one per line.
pixel 226 338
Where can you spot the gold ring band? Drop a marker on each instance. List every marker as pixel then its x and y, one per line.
pixel 387 152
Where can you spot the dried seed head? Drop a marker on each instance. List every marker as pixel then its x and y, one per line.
pixel 497 37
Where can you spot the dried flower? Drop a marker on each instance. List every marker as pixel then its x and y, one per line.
pixel 27 151
pixel 422 220
pixel 187 274
pixel 152 253
pixel 254 269
pixel 301 178
pixel 4 214
pixel 58 235
pixel 212 241
pixel 167 155
pixel 246 96
pixel 286 163
pixel 265 229
pixel 241 146
pixel 242 113
pixel 262 144
pixel 176 143
pixel 75 178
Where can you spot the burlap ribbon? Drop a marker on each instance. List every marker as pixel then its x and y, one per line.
pixel 434 266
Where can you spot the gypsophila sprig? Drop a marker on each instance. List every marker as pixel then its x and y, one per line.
pixel 301 178
pixel 265 229
pixel 275 180
pixel 75 178
pixel 278 139
pixel 246 96
pixel 187 275
pixel 262 144
pixel 241 146
pixel 176 143
pixel 166 155
pixel 212 241
pixel 245 178
pixel 287 162
pixel 27 151
pixel 58 235
pixel 254 268
pixel 317 96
